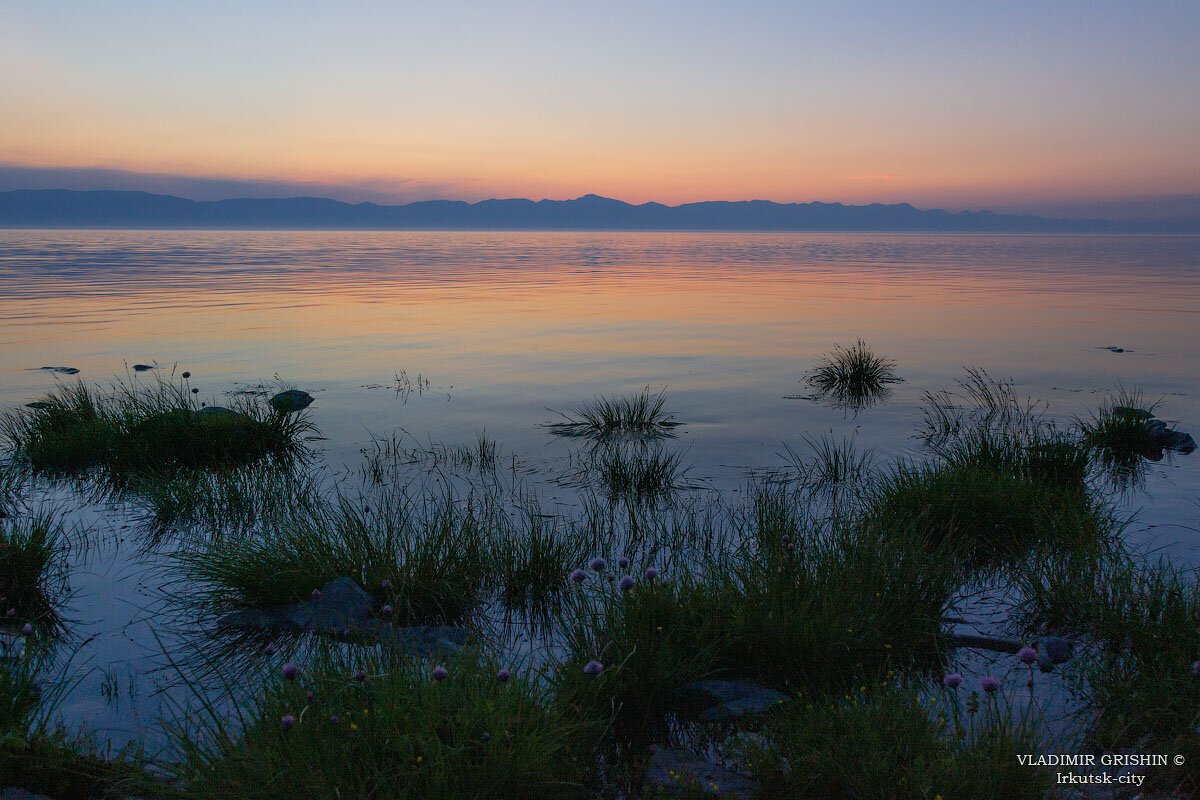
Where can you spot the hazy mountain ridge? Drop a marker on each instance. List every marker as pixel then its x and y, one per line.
pixel 63 207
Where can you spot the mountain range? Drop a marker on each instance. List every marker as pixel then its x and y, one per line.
pixel 127 209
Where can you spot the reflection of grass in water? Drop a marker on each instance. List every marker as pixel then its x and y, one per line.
pixel 634 416
pixel 853 376
pixel 831 465
pixel 134 427
pixel 637 474
pixel 979 402
pixel 385 456
pixel 401 731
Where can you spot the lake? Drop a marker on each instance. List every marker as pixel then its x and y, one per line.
pixel 445 335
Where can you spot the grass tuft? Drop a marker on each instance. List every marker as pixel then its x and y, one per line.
pixel 639 416
pixel 853 376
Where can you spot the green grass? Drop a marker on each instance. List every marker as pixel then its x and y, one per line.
pixel 992 497
pixel 399 734
pixel 136 427
pixel 1143 622
pixel 831 465
pixel 890 742
pixel 634 416
pixel 853 376
pixel 530 564
pixel 32 551
pixel 814 619
pixel 432 551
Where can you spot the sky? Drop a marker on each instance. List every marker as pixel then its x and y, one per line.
pixel 1031 106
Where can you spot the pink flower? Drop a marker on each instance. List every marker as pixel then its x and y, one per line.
pixel 386 611
pixel 27 630
pixel 578 576
pixel 623 562
pixel 990 685
pixel 598 564
pixel 287 721
pixel 316 595
pixel 1027 655
pixel 291 672
pixel 503 676
pixel 627 583
pixel 359 675
pixel 953 680
pixel 593 668
pixel 651 574
pixel 440 674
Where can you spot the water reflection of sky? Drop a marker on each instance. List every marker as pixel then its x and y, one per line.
pixel 509 327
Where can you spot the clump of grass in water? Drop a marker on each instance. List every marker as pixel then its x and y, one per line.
pixel 979 403
pixel 832 465
pixel 532 563
pixel 853 376
pixel 32 552
pixel 432 556
pixel 877 739
pixel 1119 433
pixel 137 428
pixel 635 416
pixel 383 727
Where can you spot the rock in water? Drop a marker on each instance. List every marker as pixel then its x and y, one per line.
pixel 291 401
pixel 142 367
pixel 343 604
pixel 715 701
pixel 1051 651
pixel 1178 441
pixel 62 370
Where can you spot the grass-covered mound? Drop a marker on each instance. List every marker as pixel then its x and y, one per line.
pixel 375 728
pixel 816 617
pixel 136 428
pixel 991 495
pixel 887 742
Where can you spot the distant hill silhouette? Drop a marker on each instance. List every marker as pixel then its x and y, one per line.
pixel 61 207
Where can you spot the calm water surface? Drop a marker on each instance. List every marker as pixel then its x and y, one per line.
pixel 509 328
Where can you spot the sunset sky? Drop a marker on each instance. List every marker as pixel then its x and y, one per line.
pixel 951 104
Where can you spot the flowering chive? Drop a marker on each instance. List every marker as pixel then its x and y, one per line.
pixel 333 720
pixel 27 630
pixel 651 574
pixel 953 680
pixel 1196 667
pixel 1027 655
pixel 387 584
pixel 187 374
pixel 316 595
pixel 439 673
pixel 502 676
pixel 359 675
pixel 623 562
pixel 626 584
pixel 593 668
pixel 990 684
pixel 290 671
pixel 578 576
pixel 386 611
pixel 287 721
pixel 598 564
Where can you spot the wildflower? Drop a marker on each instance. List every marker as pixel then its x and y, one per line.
pixel 578 576
pixel 990 684
pixel 486 737
pixel 334 720
pixel 27 630
pixel 316 595
pixel 623 562
pixel 290 672
pixel 440 674
pixel 593 668
pixel 502 676
pixel 187 374
pixel 12 612
pixel 1027 655
pixel 387 584
pixel 287 721
pixel 195 390
pixel 651 574
pixel 598 564
pixel 953 680
pixel 1196 667
pixel 269 649
pixel 359 675
pixel 386 611
pixel 626 584
pixel 309 696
